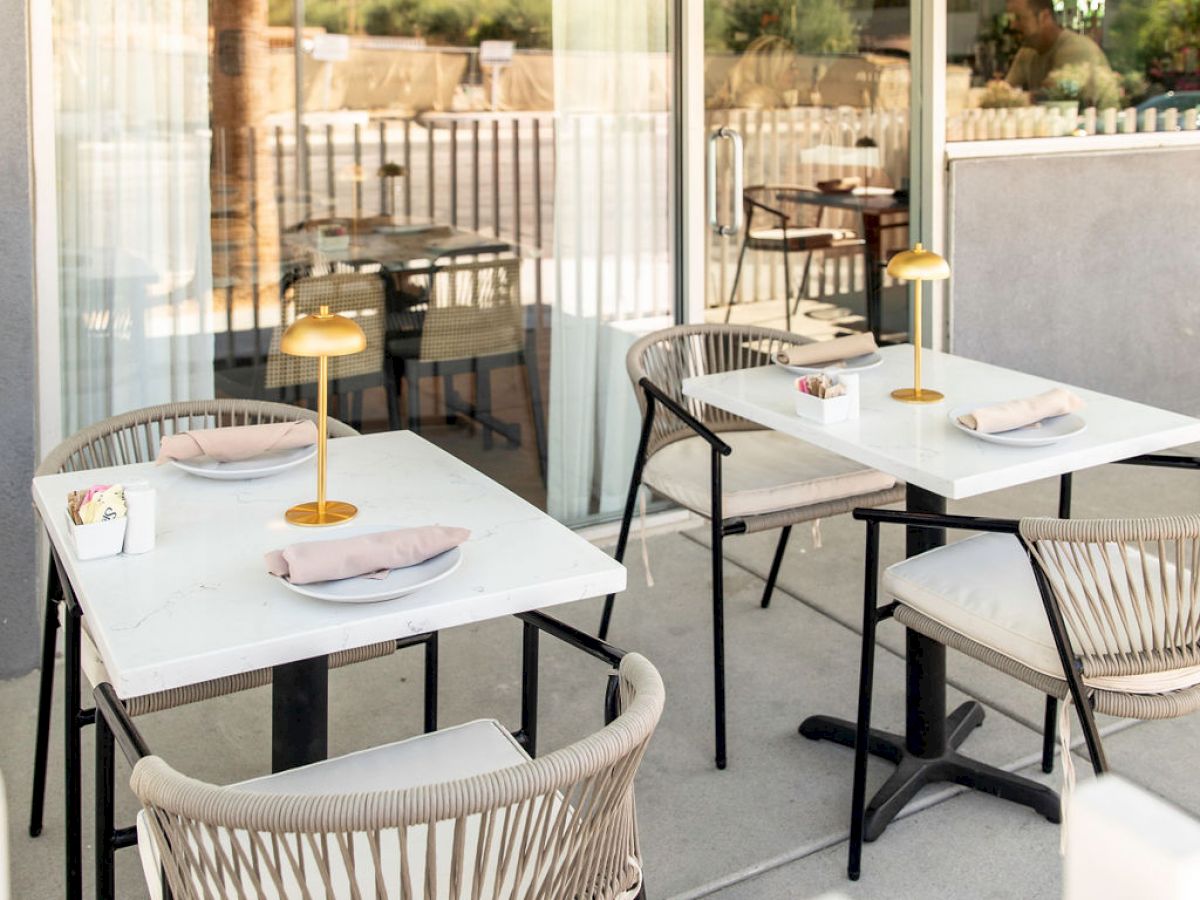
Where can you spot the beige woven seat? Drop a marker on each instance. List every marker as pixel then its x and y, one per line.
pixel 739 476
pixel 134 437
pixel 1104 613
pixel 502 824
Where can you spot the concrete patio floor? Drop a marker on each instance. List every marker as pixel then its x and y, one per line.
pixel 775 823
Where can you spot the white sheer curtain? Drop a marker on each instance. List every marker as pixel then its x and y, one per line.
pixel 612 218
pixel 135 270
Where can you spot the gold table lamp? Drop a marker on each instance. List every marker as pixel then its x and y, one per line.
pixel 917 265
pixel 322 335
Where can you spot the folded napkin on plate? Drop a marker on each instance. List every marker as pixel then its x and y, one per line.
pixel 238 442
pixel 820 352
pixel 1019 413
pixel 368 554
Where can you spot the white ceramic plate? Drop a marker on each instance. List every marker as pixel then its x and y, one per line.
pixel 243 469
pixel 871 190
pixel 1047 431
pixel 397 583
pixel 853 364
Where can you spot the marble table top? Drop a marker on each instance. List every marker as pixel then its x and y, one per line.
pixel 201 604
pixel 919 444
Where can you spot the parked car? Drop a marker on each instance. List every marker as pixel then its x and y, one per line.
pixel 1179 100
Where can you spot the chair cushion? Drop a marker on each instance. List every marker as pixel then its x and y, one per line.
pixel 766 472
pixel 983 587
pixel 474 748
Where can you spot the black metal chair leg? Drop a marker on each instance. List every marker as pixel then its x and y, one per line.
pixel 866 679
pixel 41 747
pixel 1049 733
pixel 431 683
pixel 73 809
pixel 103 838
pixel 718 603
pixel 779 549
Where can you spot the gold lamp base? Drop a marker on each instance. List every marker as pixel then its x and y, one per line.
pixel 917 395
pixel 309 514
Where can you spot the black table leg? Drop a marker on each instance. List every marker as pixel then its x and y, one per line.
pixel 872 246
pixel 928 751
pixel 299 713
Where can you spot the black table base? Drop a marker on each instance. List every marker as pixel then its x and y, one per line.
pixel 299 713
pixel 914 772
pixel 927 753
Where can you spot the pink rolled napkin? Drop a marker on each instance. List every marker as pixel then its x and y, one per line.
pixel 238 442
pixel 820 352
pixel 369 554
pixel 1019 413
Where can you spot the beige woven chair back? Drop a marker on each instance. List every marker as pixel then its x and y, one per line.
pixel 558 826
pixel 669 356
pixel 134 437
pixel 356 295
pixel 474 311
pixel 1127 589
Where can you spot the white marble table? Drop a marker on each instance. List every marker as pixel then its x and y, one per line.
pixel 201 604
pixel 919 444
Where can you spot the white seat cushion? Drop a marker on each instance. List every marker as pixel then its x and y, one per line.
pixel 983 587
pixel 766 472
pixel 474 748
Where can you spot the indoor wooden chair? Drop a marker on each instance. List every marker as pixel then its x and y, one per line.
pixel 741 477
pixel 1101 613
pixel 461 812
pixel 134 437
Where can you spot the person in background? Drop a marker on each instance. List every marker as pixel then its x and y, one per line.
pixel 1046 45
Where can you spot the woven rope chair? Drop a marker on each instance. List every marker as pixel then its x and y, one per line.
pixel 779 221
pixel 470 321
pixel 561 825
pixel 1104 613
pixel 134 437
pixel 769 481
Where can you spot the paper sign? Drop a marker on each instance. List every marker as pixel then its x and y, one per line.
pixel 495 53
pixel 331 47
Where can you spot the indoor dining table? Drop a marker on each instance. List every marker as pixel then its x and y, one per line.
pixel 920 445
pixel 201 605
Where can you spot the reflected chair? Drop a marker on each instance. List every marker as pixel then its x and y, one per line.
pixel 134 437
pixel 470 321
pixel 779 219
pixel 1101 613
pixel 462 812
pixel 359 295
pixel 740 476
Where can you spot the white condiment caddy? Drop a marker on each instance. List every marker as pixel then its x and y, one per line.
pixel 828 411
pixel 98 539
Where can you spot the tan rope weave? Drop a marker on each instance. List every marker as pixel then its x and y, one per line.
pixel 1127 589
pixel 134 437
pixel 559 826
pixel 357 295
pixel 1111 703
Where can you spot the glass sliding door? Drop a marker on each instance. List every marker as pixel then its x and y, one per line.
pixel 817 94
pixel 493 175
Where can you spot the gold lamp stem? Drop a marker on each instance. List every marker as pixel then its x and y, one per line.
pixel 323 427
pixel 916 340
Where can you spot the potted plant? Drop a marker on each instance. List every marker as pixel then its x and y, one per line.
pixel 1061 91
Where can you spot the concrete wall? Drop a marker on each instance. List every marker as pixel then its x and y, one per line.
pixel 1082 267
pixel 18 437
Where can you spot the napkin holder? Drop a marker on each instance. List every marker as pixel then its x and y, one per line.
pixel 829 411
pixel 99 539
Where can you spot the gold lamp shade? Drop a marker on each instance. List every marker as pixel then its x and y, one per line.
pixel 322 335
pixel 917 265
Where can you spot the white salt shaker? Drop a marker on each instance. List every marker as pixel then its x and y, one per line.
pixel 140 510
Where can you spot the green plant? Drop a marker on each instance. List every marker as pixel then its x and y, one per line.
pixel 809 26
pixel 1090 84
pixel 1062 84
